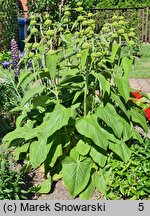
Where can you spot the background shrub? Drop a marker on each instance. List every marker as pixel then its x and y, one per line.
pixel 8 23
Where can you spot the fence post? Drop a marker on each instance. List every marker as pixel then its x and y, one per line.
pixel 149 29
pixel 97 20
pixel 146 35
pixel 107 15
pixel 143 24
pixel 138 19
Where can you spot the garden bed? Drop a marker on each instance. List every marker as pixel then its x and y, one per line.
pixel 79 124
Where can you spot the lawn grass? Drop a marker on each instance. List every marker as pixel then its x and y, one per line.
pixel 141 69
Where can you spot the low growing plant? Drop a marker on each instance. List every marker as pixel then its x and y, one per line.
pixel 11 180
pixel 76 107
pixel 129 180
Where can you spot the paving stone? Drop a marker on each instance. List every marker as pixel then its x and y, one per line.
pixel 141 84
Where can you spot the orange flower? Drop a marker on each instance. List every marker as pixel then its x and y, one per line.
pixel 147 113
pixel 137 95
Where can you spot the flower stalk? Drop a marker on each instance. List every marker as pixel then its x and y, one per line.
pixel 15 59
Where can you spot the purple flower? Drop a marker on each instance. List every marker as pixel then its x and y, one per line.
pixel 15 58
pixel 30 63
pixel 6 64
pixel 21 55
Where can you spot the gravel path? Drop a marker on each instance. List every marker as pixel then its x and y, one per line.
pixel 141 84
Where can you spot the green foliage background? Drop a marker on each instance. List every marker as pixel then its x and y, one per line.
pixel 53 4
pixel 8 23
pixel 122 3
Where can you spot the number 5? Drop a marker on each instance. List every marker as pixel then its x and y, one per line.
pixel 141 206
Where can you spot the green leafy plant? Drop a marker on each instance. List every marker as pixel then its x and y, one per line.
pixel 8 23
pixel 128 180
pixel 5 56
pixel 76 107
pixel 9 98
pixel 11 180
pixel 122 3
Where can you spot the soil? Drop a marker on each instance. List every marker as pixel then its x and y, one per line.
pixel 58 190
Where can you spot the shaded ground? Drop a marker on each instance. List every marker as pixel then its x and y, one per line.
pixel 58 191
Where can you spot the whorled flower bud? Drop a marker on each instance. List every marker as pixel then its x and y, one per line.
pixel 15 58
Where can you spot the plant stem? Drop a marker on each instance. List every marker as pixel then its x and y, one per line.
pixel 34 71
pixel 15 88
pixel 85 93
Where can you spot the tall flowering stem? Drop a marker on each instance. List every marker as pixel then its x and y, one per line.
pixel 15 58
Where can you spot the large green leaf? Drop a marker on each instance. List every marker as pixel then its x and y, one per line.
pixel 38 152
pixel 100 182
pixel 98 156
pixel 52 122
pixel 123 86
pixel 20 119
pixel 104 84
pixel 138 118
pixel 109 115
pixel 67 73
pixel 25 79
pixel 55 152
pixel 59 140
pixel 67 38
pixel 126 64
pixel 137 136
pixel 87 193
pixel 51 63
pixel 21 149
pixel 119 102
pixel 76 174
pixel 115 48
pixel 72 79
pixel 74 154
pixel 45 186
pixel 20 133
pixel 118 71
pixel 126 37
pixel 84 55
pixel 76 96
pixel 56 120
pixel 121 149
pixel 82 147
pixel 89 127
pixel 127 129
pixel 41 100
pixel 30 94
